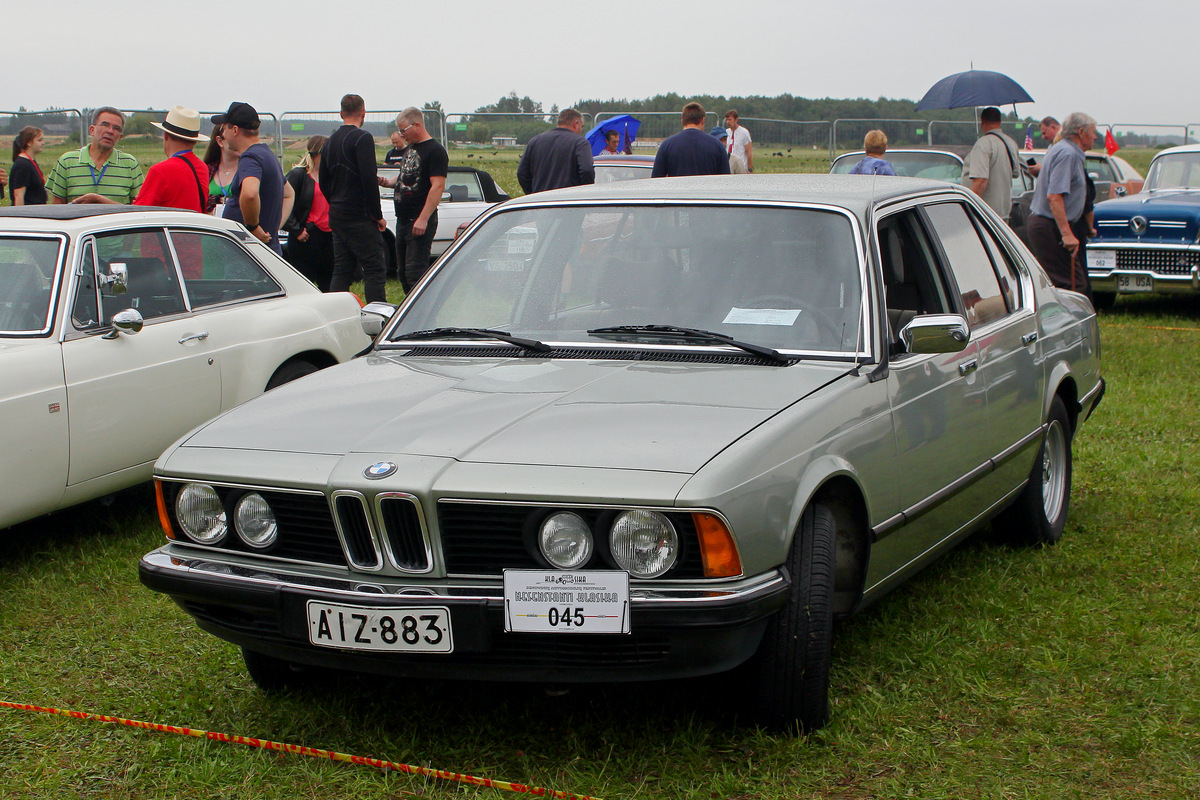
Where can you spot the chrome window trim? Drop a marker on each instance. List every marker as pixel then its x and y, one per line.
pixel 57 281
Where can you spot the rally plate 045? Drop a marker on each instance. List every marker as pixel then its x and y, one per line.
pixel 544 601
pixel 405 629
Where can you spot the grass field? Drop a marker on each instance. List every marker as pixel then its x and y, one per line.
pixel 1067 672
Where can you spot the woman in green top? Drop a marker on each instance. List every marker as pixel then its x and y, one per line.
pixel 222 164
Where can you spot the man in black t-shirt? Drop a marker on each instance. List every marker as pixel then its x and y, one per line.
pixel 348 181
pixel 692 151
pixel 419 188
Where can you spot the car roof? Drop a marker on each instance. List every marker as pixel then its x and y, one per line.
pixel 81 217
pixel 1183 148
pixel 853 192
pixel 624 158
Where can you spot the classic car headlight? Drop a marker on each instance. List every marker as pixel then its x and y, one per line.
pixel 254 521
pixel 643 543
pixel 201 513
pixel 565 540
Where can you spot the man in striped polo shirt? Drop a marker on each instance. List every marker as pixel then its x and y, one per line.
pixel 99 167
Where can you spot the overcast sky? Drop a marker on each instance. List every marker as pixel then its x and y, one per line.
pixel 1121 62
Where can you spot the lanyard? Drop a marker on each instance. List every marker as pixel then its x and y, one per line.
pixel 96 179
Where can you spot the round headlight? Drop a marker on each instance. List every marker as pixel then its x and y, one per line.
pixel 565 540
pixel 201 513
pixel 254 521
pixel 643 543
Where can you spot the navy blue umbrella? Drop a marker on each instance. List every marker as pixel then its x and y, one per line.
pixel 625 124
pixel 974 88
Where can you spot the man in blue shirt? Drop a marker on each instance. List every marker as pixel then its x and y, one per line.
pixel 1059 197
pixel 691 151
pixel 259 191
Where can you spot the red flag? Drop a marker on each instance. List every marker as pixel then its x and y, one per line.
pixel 1110 142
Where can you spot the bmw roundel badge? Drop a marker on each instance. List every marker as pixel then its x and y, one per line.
pixel 380 470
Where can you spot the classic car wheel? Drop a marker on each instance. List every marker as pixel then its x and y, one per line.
pixel 289 372
pixel 273 674
pixel 1040 511
pixel 792 663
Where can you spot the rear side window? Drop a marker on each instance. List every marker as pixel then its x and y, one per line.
pixel 217 270
pixel 978 285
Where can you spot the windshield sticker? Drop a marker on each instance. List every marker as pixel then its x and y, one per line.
pixel 761 316
pixel 505 265
pixel 522 245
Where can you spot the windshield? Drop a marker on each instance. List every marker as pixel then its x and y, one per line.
pixel 785 278
pixel 27 281
pixel 1178 171
pixel 935 166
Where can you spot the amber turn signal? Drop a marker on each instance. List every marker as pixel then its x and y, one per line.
pixel 717 549
pixel 164 518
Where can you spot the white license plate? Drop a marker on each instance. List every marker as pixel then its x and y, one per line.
pixel 1102 260
pixel 424 629
pixel 1135 283
pixel 544 601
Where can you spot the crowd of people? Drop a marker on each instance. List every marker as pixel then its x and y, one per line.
pixel 330 207
pixel 1060 220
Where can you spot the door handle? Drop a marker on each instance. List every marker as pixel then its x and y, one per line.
pixel 967 367
pixel 200 337
pixel 1029 338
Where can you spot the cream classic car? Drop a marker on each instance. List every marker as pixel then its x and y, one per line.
pixel 122 328
pixel 646 430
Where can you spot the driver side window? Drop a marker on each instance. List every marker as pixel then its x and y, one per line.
pixel 152 284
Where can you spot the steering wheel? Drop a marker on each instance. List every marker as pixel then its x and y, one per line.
pixel 818 316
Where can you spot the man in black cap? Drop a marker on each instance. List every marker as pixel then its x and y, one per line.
pixel 258 190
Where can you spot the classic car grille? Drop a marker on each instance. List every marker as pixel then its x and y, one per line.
pixel 306 529
pixel 585 353
pixel 486 539
pixel 405 538
pixel 352 515
pixel 1163 262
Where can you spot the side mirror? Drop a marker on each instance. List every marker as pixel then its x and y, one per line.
pixel 373 316
pixel 117 279
pixel 1120 191
pixel 127 321
pixel 446 197
pixel 936 333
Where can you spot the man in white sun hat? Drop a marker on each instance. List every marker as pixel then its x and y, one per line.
pixel 180 180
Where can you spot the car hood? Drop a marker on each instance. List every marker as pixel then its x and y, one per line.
pixel 557 412
pixel 1170 215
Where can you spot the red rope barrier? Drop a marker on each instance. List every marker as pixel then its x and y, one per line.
pixel 313 752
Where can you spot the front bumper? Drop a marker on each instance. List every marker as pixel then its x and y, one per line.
pixel 675 631
pixel 1172 268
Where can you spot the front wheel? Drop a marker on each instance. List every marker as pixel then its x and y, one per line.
pixel 791 668
pixel 1039 513
pixel 273 674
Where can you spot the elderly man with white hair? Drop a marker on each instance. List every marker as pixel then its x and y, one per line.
pixel 1059 198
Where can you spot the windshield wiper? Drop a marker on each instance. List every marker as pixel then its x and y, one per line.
pixel 478 333
pixel 696 334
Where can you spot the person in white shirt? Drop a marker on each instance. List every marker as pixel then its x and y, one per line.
pixel 738 143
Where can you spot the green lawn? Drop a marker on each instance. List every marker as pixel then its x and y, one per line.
pixel 1067 672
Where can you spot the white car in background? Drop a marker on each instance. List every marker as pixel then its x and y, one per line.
pixel 123 328
pixel 469 192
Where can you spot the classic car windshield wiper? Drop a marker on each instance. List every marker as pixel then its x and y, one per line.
pixel 696 334
pixel 478 333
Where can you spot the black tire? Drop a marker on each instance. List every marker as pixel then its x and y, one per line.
pixel 1039 513
pixel 273 674
pixel 791 667
pixel 289 372
pixel 1103 301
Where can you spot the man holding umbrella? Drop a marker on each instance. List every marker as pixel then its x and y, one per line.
pixel 992 164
